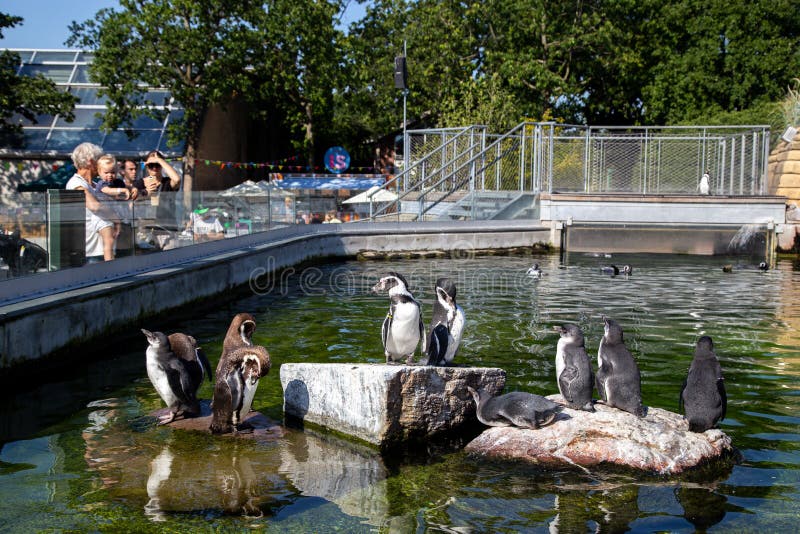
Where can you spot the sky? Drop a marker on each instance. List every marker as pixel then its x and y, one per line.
pixel 46 22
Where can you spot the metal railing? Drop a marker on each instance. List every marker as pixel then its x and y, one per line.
pixel 447 166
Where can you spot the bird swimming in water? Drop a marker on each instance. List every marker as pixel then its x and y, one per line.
pixel 535 271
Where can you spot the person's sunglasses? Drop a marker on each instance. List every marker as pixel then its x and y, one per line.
pixel 153 166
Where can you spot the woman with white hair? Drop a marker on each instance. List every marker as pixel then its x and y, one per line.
pixel 100 220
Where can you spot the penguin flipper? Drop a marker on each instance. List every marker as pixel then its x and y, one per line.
pixel 565 381
pixel 723 397
pixel 422 331
pixel 386 327
pixel 680 396
pixel 177 377
pixel 204 363
pixel 438 345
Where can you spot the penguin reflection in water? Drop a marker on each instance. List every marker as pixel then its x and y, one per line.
pixel 618 379
pixel 402 328
pixel 447 324
pixel 574 369
pixel 176 367
pixel 240 367
pixel 703 395
pixel 520 409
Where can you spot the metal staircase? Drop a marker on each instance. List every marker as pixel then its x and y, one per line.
pixel 468 174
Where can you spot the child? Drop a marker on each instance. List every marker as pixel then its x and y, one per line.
pixel 107 170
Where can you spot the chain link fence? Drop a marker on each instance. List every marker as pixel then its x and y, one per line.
pixel 548 157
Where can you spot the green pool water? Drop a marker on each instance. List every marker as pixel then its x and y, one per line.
pixel 78 452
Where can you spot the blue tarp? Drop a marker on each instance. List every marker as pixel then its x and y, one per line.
pixel 289 182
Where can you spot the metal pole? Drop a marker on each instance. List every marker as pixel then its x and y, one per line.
pixel 406 148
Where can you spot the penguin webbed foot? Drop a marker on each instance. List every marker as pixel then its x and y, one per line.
pixel 588 407
pixel 243 428
pixel 167 418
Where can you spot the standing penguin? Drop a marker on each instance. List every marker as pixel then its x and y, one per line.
pixel 574 369
pixel 238 373
pixel 402 328
pixel 447 324
pixel 618 379
pixel 176 366
pixel 239 334
pixel 703 391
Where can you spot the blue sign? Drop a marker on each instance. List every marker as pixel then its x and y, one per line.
pixel 337 159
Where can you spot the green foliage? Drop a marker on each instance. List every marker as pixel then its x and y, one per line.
pixel 27 96
pixel 198 50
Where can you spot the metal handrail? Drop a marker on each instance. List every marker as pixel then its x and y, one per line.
pixel 460 135
pixel 457 186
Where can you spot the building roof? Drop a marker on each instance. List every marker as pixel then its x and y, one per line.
pixel 53 136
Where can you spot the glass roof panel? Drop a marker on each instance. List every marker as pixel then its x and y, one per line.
pixel 35 138
pixel 66 140
pixel 167 148
pixel 144 122
pixel 57 73
pixel 64 56
pixel 84 118
pixel 81 74
pixel 85 56
pixel 88 95
pixel 41 120
pixel 24 55
pixel 158 98
pixel 117 142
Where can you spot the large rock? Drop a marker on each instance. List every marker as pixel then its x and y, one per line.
pixel 385 404
pixel 660 442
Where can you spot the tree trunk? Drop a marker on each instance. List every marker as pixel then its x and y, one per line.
pixel 310 135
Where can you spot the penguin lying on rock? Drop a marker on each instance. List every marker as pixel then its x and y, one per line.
pixel 402 328
pixel 447 324
pixel 524 410
pixel 176 367
pixel 702 394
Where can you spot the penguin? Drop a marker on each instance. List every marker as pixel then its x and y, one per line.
pixel 176 367
pixel 703 391
pixel 574 369
pixel 237 380
pixel 402 328
pixel 627 270
pixel 239 334
pixel 535 271
pixel 613 270
pixel 762 266
pixel 520 409
pixel 618 380
pixel 447 324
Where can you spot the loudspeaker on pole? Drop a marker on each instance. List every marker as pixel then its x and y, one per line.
pixel 400 73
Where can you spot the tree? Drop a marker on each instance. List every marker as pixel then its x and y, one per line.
pixel 199 50
pixel 300 64
pixel 718 56
pixel 28 96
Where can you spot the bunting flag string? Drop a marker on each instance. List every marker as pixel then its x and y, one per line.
pixel 270 166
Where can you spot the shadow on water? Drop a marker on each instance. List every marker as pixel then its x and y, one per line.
pixel 79 442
